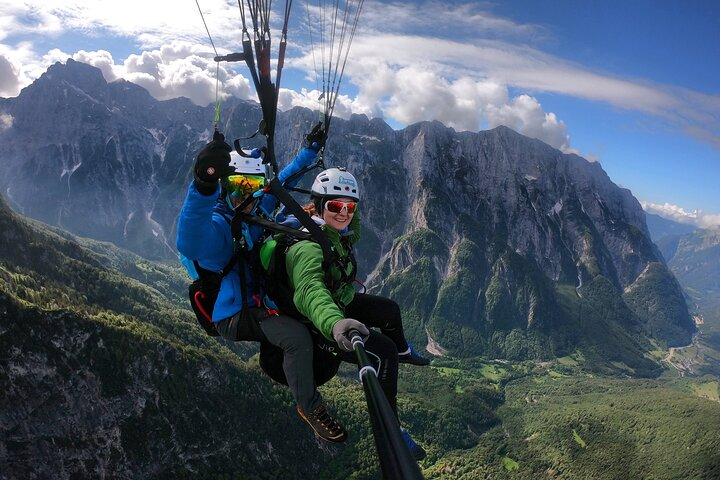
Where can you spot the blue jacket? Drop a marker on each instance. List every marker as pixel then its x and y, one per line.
pixel 204 235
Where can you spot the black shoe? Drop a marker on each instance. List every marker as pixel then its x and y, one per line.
pixel 413 358
pixel 324 425
pixel 417 451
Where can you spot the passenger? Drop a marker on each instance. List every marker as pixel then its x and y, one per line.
pixel 204 235
pixel 337 309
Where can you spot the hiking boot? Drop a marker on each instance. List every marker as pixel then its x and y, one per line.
pixel 412 357
pixel 417 451
pixel 325 426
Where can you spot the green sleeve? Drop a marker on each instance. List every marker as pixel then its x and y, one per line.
pixel 312 298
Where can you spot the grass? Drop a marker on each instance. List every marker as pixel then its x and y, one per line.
pixel 578 439
pixel 510 464
pixel 493 372
pixel 447 371
pixel 568 361
pixel 707 390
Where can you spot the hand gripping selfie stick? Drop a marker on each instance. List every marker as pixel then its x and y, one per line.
pixel 396 461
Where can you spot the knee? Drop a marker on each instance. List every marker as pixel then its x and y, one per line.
pixel 288 334
pixel 297 338
pixel 382 345
pixel 394 309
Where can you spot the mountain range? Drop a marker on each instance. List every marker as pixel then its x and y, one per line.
pixel 527 272
pixel 660 227
pixel 492 242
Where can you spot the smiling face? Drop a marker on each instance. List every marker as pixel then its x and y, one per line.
pixel 338 213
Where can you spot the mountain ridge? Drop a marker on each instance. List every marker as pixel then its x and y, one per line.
pixel 529 219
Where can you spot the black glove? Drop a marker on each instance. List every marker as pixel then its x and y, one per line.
pixel 342 328
pixel 212 164
pixel 317 137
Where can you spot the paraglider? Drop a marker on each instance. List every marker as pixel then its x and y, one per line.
pixel 335 25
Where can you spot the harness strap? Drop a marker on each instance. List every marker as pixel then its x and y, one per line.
pixel 269 225
pixel 317 233
pixel 199 305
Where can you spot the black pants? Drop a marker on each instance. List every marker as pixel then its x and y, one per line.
pixel 379 312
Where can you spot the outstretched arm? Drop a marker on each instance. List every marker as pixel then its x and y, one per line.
pixel 304 159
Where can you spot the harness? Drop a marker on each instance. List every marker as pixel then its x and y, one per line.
pixel 277 281
pixel 204 291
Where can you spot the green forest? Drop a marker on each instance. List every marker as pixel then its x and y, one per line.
pixel 97 343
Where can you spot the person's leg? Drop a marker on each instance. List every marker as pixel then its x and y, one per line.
pixel 292 336
pixel 379 312
pixel 294 339
pixel 384 314
pixel 382 353
pixel 241 326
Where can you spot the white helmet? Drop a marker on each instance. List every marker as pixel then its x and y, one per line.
pixel 250 166
pixel 336 182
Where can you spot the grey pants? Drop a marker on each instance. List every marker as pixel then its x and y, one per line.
pixel 255 325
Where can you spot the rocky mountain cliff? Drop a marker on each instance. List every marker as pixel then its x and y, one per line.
pixel 694 258
pixel 493 243
pixel 660 227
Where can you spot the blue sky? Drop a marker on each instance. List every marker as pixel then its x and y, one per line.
pixel 631 84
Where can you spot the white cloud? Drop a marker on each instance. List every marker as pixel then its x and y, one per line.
pixel 25 66
pixel 525 115
pixel 9 77
pixel 177 69
pixel 101 59
pixel 439 19
pixel 673 212
pixel 184 69
pixel 442 74
pixel 151 23
pixel 6 121
pixel 413 93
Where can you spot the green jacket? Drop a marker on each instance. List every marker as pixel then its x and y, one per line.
pixel 312 297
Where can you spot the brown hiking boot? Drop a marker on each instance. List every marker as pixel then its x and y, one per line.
pixel 325 426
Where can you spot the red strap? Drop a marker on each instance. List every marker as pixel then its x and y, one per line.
pixel 199 305
pixel 273 312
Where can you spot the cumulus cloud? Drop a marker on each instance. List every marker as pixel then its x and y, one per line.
pixel 20 64
pixel 101 59
pixel 673 212
pixel 413 93
pixel 525 115
pixel 9 78
pixel 177 69
pixel 345 106
pixel 458 70
pixel 184 69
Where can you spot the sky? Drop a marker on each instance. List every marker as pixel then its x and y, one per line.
pixel 632 84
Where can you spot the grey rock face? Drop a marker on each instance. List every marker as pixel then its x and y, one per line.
pixel 109 162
